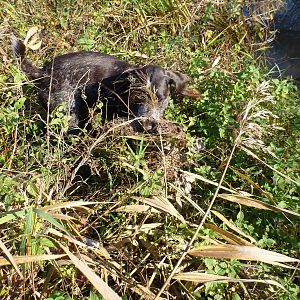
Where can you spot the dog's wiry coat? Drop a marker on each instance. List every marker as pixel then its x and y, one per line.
pixel 80 79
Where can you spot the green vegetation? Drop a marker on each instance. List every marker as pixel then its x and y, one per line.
pixel 65 239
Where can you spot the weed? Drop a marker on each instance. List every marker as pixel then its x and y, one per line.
pixel 112 213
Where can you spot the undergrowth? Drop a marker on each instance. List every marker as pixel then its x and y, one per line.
pixel 80 212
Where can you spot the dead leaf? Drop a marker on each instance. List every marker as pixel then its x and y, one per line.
pixel 227 236
pixel 189 199
pixel 62 217
pixel 203 277
pixel 251 202
pixel 10 258
pixel 29 259
pixel 68 204
pixel 32 40
pixel 216 62
pixel 136 209
pixel 145 227
pixel 232 226
pixel 242 252
pixel 207 181
pixel 144 292
pixel 101 250
pixel 162 204
pixel 95 280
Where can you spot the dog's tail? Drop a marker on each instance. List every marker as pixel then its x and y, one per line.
pixel 19 50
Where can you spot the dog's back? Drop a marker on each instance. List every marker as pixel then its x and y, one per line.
pixel 66 74
pixel 72 69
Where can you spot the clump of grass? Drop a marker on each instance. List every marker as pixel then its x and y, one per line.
pixel 120 213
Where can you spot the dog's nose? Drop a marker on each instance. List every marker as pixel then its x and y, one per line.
pixel 149 125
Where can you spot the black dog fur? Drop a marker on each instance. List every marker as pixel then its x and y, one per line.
pixel 80 79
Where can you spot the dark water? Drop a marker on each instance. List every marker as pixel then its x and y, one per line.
pixel 287 18
pixel 283 57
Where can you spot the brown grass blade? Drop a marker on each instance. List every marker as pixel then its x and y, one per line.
pixel 137 209
pixel 29 258
pixel 101 250
pixel 96 281
pixel 10 258
pixel 208 181
pixel 248 201
pixel 248 179
pixel 62 217
pixel 232 226
pixel 189 199
pixel 145 227
pixel 68 204
pixel 143 292
pixel 227 236
pixel 241 252
pixel 203 277
pixel 162 204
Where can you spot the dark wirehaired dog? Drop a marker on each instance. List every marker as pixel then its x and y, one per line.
pixel 80 79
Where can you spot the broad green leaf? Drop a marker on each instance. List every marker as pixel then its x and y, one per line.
pixel 6 217
pixel 50 219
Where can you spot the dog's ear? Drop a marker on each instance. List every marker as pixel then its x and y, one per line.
pixel 180 81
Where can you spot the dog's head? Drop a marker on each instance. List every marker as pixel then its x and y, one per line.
pixel 144 93
pixel 155 85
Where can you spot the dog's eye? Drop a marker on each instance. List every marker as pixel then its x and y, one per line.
pixel 131 78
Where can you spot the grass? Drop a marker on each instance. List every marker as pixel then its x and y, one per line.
pixel 153 210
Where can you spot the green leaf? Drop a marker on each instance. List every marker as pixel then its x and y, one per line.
pixel 94 296
pixel 6 217
pixel 26 238
pixel 32 189
pixel 50 219
pixel 235 296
